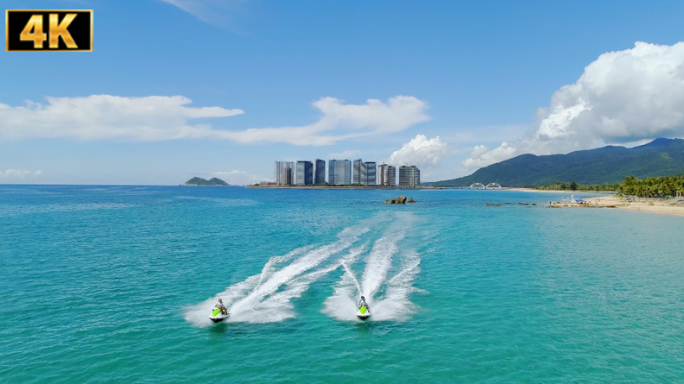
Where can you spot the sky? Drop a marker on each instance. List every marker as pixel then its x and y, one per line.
pixel 222 88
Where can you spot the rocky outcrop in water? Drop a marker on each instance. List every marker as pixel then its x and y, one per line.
pixel 398 200
pixel 410 200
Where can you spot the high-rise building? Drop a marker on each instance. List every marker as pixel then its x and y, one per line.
pixel 286 176
pixel 356 172
pixel 319 171
pixel 362 175
pixel 409 176
pixel 382 174
pixel 339 172
pixel 369 173
pixel 391 178
pixel 283 172
pixel 304 173
pixel 387 175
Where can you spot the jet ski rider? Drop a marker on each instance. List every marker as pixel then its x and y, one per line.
pixel 222 307
pixel 362 303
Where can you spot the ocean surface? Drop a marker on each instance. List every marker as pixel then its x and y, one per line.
pixel 115 284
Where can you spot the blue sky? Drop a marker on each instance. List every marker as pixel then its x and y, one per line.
pixel 458 85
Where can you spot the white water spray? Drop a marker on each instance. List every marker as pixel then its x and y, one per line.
pixel 198 314
pixel 352 277
pixel 279 305
pixel 260 298
pixel 268 268
pixel 378 263
pixel 393 303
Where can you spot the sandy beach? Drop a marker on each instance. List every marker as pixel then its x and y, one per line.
pixel 567 192
pixel 674 206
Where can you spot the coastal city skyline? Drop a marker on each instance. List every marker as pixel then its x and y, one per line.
pixel 343 172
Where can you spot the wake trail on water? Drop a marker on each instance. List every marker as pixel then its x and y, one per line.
pixel 378 263
pixel 265 297
pixel 279 305
pixel 392 301
pixel 269 267
pixel 395 304
pixel 349 272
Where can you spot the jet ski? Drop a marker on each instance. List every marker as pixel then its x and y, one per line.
pixel 363 313
pixel 217 316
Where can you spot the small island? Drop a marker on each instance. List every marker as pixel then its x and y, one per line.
pixel 200 182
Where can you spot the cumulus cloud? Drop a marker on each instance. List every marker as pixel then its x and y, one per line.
pixel 482 156
pixel 156 118
pixel 17 174
pixel 420 151
pixel 622 97
pixel 237 177
pixel 344 154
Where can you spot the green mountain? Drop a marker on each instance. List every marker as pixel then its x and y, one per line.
pixel 200 182
pixel 607 165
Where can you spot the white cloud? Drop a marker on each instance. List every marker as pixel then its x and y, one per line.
pixel 482 156
pixel 17 174
pixel 344 154
pixel 399 113
pixel 237 177
pixel 622 97
pixel 99 117
pixel 156 118
pixel 420 151
pixel 344 121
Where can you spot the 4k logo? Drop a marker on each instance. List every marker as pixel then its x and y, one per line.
pixel 49 30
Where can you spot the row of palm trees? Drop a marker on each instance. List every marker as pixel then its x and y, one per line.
pixel 579 187
pixel 652 186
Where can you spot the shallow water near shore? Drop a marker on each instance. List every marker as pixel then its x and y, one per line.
pixel 115 283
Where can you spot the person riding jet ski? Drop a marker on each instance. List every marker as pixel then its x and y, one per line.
pixel 364 309
pixel 362 303
pixel 222 307
pixel 219 312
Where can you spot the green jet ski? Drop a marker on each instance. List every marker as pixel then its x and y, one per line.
pixel 363 313
pixel 217 315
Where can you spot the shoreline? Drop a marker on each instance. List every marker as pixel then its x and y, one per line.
pixel 555 191
pixel 537 190
pixel 425 188
pixel 354 187
pixel 672 206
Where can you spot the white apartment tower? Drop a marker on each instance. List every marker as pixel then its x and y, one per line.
pixel 283 172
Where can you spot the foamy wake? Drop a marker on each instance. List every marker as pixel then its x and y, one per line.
pixel 265 297
pixel 388 297
pixel 395 304
pixel 387 280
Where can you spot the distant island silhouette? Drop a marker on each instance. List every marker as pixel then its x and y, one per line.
pixel 200 182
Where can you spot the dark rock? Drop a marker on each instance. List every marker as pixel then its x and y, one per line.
pixel 398 200
pixel 410 200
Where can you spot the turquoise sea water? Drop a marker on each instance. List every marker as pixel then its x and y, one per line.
pixel 114 284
